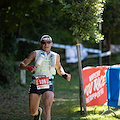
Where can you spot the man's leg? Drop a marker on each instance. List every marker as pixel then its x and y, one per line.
pixel 47 99
pixel 34 100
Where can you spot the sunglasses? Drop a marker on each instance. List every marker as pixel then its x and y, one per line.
pixel 43 42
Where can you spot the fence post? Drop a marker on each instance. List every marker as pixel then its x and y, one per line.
pixel 23 77
pixel 82 95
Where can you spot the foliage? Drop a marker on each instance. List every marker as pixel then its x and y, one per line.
pixel 112 9
pixel 13 14
pixel 85 15
pixel 9 44
pixel 8 70
pixel 52 21
pixel 111 24
pixel 31 20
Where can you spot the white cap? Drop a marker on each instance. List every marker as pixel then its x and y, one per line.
pixel 45 37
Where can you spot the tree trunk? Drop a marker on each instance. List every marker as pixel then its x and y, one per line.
pixel 81 86
pixel 109 43
pixel 19 29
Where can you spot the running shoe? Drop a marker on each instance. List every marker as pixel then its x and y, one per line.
pixel 38 117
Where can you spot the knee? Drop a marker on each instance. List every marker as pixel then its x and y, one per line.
pixel 33 112
pixel 48 108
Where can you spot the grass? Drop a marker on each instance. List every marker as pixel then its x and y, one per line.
pixel 14 102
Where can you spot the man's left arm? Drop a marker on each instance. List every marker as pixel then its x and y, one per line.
pixel 60 70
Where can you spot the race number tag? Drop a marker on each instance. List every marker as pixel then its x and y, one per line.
pixel 42 83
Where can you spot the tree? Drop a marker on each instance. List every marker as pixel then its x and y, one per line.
pixel 13 15
pixel 85 14
pixel 111 23
pixel 31 19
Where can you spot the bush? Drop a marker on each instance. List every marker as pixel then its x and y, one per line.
pixel 8 70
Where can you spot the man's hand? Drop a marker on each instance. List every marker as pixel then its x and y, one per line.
pixel 67 76
pixel 31 68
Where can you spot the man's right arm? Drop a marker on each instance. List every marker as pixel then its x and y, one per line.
pixel 24 64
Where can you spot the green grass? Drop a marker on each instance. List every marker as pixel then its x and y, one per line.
pixel 66 106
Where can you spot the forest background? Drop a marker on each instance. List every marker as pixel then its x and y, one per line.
pixel 31 19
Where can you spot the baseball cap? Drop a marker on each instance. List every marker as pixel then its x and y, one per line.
pixel 45 37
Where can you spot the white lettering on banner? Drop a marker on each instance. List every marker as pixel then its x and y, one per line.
pixel 94 89
pixel 88 88
pixel 94 75
pixel 99 82
pixel 94 95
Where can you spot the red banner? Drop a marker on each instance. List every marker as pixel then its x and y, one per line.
pixel 94 79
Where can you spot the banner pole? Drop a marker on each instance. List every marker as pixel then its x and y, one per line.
pixel 82 96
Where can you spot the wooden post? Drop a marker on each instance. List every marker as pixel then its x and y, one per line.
pixel 23 77
pixel 82 96
pixel 100 45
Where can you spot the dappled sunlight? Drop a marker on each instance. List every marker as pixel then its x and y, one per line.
pixel 95 113
pixel 76 109
pixel 60 100
pixel 63 100
pixel 99 117
pixel 69 109
pixel 76 87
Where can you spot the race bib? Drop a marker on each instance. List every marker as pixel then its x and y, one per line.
pixel 42 83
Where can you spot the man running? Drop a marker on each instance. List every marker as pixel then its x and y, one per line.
pixel 46 63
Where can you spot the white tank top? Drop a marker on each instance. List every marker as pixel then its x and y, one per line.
pixel 47 67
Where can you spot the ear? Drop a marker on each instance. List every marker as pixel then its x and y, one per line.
pixel 52 43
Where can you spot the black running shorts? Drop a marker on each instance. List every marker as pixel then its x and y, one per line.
pixel 33 89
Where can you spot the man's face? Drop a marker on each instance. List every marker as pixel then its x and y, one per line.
pixel 46 45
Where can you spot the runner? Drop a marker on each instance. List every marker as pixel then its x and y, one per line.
pixel 46 63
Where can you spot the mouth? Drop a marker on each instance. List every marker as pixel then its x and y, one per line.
pixel 46 47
